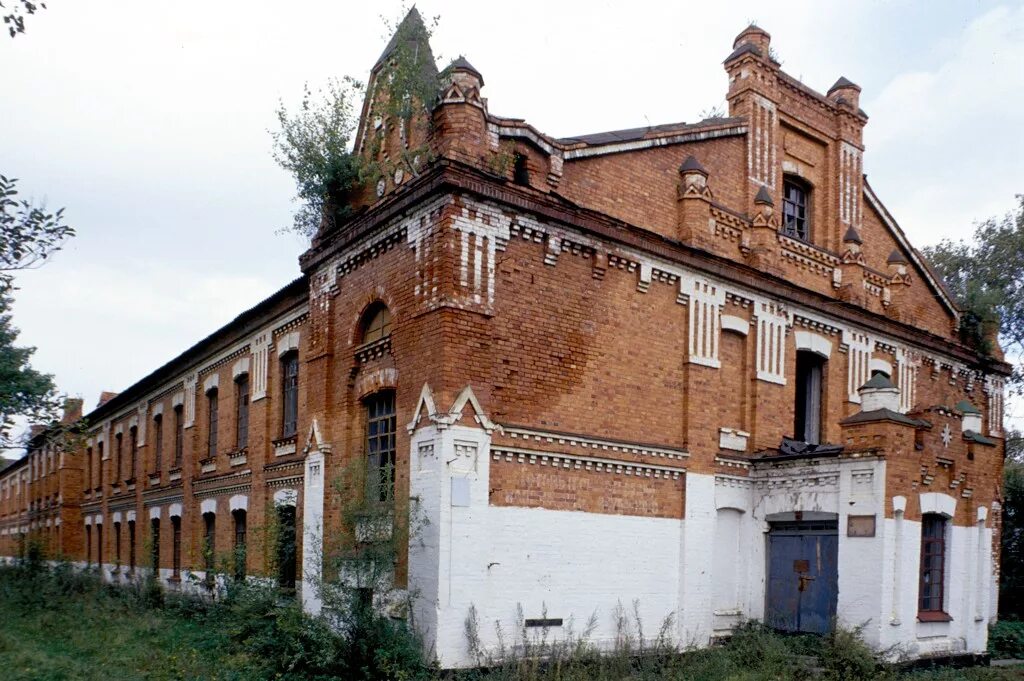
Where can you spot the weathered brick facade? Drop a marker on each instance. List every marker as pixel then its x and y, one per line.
pixel 596 351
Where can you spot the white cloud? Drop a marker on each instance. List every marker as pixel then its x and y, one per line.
pixel 945 143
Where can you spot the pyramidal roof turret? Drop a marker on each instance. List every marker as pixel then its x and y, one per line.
pixel 413 33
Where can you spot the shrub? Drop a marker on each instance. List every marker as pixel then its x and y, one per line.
pixel 1006 639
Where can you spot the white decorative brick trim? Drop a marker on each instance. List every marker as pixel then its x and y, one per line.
pixel 286 497
pixel 158 409
pixel 287 343
pixel 178 399
pixel 587 463
pixel 937 502
pixel 212 381
pixel 154 512
pixel 240 367
pixel 115 517
pixel 805 340
pixel 982 514
pixel 174 510
pixel 129 516
pixel 208 506
pixel 593 443
pixel 734 323
pixel 731 438
pixel 881 365
pixel 239 502
pixel 899 504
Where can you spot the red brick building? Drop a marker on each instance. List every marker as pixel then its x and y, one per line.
pixel 697 367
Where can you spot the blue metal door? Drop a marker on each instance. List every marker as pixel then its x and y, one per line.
pixel 802 576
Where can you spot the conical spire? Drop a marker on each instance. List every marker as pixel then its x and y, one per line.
pixel 852 236
pixel 763 197
pixel 413 32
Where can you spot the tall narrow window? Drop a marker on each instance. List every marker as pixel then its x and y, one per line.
pixel 131 546
pixel 99 464
pixel 240 552
pixel 158 443
pixel 795 209
pixel 380 445
pixel 99 545
pixel 88 469
pixel 933 563
pixel 286 547
pixel 290 394
pixel 88 545
pixel 118 456
pixel 117 545
pixel 521 170
pixel 242 411
pixel 176 547
pixel 133 439
pixel 209 543
pixel 179 435
pixel 154 552
pixel 809 382
pixel 211 399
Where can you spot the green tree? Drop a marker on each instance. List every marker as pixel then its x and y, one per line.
pixel 1011 578
pixel 29 235
pixel 15 13
pixel 986 274
pixel 314 143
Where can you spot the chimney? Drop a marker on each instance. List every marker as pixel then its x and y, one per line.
pixel 105 397
pixel 879 393
pixel 72 410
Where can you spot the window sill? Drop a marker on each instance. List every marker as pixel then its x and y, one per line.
pixel 285 445
pixel 933 616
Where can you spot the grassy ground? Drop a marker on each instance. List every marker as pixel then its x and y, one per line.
pixel 60 626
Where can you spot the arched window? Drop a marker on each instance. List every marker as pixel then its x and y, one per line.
pixel 796 208
pixel 239 558
pixel 290 394
pixel 242 411
pixel 376 323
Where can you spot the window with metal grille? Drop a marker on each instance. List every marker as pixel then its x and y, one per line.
pixel 88 544
pixel 99 463
pixel 211 399
pixel 290 394
pixel 933 562
pixel 795 210
pixel 380 446
pixel 179 434
pixel 158 442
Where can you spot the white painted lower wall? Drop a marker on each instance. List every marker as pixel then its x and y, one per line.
pixel 571 565
pixel 708 571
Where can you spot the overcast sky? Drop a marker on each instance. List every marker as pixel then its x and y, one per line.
pixel 148 121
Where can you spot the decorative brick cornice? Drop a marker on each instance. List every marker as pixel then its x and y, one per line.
pixel 586 463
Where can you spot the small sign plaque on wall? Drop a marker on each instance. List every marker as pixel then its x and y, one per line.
pixel 860 526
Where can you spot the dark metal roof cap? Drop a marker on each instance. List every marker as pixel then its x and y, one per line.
pixel 843 83
pixel 743 49
pixel 852 236
pixel 763 197
pixel 896 258
pixel 878 382
pixel 965 407
pixel 462 64
pixel 692 165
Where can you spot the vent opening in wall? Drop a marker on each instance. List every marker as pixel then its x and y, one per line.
pixel 543 622
pixel 521 170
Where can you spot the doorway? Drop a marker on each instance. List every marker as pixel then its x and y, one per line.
pixel 803 575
